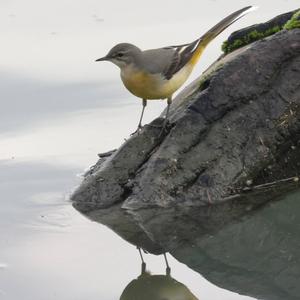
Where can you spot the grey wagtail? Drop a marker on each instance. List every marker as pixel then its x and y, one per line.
pixel 158 73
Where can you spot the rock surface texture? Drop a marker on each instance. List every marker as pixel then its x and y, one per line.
pixel 235 129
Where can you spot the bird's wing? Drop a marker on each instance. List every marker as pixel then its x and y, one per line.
pixel 168 60
pixel 182 55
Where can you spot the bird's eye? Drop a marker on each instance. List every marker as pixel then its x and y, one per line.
pixel 120 54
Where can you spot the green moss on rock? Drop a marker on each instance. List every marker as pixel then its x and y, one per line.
pixel 294 22
pixel 248 39
pixel 286 21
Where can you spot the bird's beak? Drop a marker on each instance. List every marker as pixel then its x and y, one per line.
pixel 102 58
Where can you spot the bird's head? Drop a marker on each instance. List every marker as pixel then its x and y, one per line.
pixel 122 55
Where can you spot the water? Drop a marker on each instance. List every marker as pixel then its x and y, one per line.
pixel 49 251
pixel 58 110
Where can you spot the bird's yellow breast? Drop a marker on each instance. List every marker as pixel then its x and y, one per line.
pixel 153 86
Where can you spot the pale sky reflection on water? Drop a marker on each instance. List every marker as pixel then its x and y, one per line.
pixel 58 110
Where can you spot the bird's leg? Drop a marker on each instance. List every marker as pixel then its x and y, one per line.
pixel 169 101
pixel 141 118
pixel 143 262
pixel 168 269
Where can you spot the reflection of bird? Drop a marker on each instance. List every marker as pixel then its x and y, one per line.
pixel 158 73
pixel 168 270
pixel 156 287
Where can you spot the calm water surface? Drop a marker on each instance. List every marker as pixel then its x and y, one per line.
pixel 58 110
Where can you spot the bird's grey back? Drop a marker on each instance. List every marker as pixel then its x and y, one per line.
pixel 169 60
pixel 156 60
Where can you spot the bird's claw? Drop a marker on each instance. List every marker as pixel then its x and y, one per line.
pixel 165 128
pixel 138 130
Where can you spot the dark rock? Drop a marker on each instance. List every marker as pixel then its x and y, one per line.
pixel 106 154
pixel 209 191
pixel 245 120
pixel 256 32
pixel 278 21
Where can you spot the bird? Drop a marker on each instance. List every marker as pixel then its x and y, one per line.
pixel 158 73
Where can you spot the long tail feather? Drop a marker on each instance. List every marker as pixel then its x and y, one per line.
pixel 217 29
pixel 222 25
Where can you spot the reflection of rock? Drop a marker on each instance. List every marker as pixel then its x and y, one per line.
pixel 255 254
pixel 124 225
pixel 235 129
pixel 242 245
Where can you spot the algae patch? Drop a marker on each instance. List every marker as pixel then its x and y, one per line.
pixel 249 38
pixel 261 31
pixel 294 22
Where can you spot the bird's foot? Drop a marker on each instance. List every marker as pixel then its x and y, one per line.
pixel 153 125
pixel 163 124
pixel 138 130
pixel 165 128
